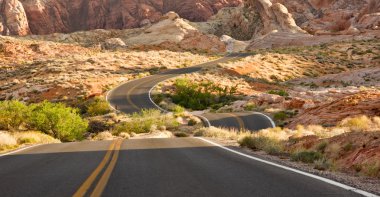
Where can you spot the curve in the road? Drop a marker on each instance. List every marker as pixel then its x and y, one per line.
pixel 134 95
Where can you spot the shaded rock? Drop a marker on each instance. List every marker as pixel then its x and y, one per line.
pixel 113 43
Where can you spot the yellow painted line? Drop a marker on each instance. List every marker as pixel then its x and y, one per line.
pixel 239 120
pixel 106 175
pixel 87 184
pixel 136 86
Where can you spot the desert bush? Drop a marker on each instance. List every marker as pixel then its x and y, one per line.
pixel 96 126
pixel 306 156
pixel 280 116
pixel 57 120
pixel 145 121
pixel 322 146
pixel 97 106
pixel 176 109
pixel 192 122
pixel 250 106
pixel 322 164
pixel 371 169
pixel 278 92
pixel 181 134
pixel 33 137
pixel 359 123
pixel 269 145
pixel 12 114
pixel 199 96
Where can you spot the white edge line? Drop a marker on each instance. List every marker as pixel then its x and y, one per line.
pixel 123 83
pixel 151 100
pixel 326 180
pixel 270 119
pixel 19 150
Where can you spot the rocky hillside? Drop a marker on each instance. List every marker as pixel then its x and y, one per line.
pixel 21 17
pixel 276 23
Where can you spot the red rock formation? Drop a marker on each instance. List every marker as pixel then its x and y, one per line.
pixel 367 103
pixel 52 16
pixel 13 18
pixel 335 16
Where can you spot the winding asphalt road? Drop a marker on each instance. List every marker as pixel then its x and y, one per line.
pixel 155 167
pixel 135 95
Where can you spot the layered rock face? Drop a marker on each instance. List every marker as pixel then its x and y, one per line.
pixel 13 18
pixel 51 16
pixel 335 16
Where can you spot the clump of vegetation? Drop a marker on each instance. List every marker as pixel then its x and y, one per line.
pixel 279 92
pixel 307 156
pixel 200 96
pixel 11 140
pixel 146 121
pixel 250 106
pixel 269 145
pixel 12 114
pixel 280 116
pixel 181 134
pixel 54 119
pixel 360 123
pixel 228 134
pixel 96 106
pixel 57 120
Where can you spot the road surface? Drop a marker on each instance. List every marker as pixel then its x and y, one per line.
pixel 149 167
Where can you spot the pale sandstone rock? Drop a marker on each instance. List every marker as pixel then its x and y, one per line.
pixel 172 31
pixel 113 43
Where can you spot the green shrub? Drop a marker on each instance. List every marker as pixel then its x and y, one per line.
pixel 250 107
pixel 97 106
pixel 307 156
pixel 278 92
pixel 199 96
pixel 280 116
pixel 177 109
pixel 96 126
pixel 12 114
pixel 57 120
pixel 322 146
pixel 145 121
pixel 192 122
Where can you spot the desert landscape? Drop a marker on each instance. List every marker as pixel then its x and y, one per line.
pixel 312 67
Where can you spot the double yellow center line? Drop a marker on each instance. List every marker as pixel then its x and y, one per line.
pixel 113 150
pixel 239 121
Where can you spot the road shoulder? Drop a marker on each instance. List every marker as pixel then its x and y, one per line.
pixel 363 183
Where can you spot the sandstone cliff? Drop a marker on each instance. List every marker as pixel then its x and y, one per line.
pixel 13 18
pixel 51 16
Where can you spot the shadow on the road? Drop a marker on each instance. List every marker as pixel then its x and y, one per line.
pixel 156 167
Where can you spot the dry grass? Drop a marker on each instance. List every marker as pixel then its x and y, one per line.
pixel 361 123
pixel 105 135
pixel 220 133
pixel 9 141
